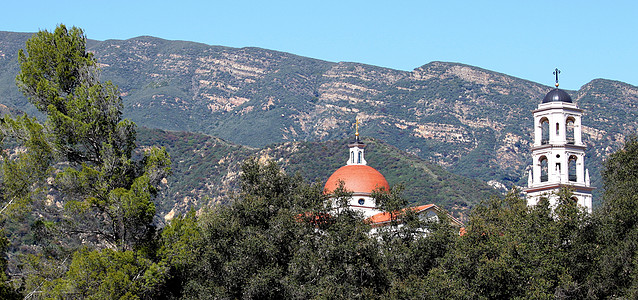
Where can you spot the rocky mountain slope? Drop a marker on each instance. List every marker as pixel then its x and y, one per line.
pixel 474 122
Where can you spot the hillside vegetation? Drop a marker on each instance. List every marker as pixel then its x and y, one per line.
pixel 473 121
pixel 206 170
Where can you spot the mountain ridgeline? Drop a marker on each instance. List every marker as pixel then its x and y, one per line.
pixel 474 122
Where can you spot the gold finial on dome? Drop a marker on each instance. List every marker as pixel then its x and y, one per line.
pixel 356 125
pixel 556 72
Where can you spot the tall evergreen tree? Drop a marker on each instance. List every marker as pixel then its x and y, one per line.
pixel 86 132
pixel 82 158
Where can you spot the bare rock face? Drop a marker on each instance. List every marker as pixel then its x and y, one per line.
pixel 475 122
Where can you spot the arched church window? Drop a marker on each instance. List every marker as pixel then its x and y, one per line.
pixel 352 157
pixel 543 163
pixel 570 130
pixel 359 158
pixel 544 131
pixel 572 168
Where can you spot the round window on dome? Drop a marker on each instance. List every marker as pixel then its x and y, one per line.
pixel 361 201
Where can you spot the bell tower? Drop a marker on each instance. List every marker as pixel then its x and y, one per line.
pixel 558 152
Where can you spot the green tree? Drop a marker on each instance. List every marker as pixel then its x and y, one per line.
pixel 337 258
pixel 82 157
pixel 279 238
pixel 242 250
pixel 86 133
pixel 512 251
pixel 411 244
pixel 614 274
pixel 7 290
pixel 23 172
pixel 180 251
pixel 107 274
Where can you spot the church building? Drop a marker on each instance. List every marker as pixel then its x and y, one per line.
pixel 558 155
pixel 361 180
pixel 558 151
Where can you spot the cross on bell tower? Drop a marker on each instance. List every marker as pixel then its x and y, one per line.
pixel 558 152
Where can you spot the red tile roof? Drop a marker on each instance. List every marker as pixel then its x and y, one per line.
pixel 384 217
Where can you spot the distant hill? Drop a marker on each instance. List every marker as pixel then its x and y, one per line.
pixel 206 169
pixel 474 122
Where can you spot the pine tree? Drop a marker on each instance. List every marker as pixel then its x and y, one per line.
pixel 82 158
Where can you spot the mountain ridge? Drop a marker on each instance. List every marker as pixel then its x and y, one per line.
pixel 473 121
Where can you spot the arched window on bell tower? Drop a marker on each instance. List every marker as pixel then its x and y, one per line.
pixel 569 125
pixel 544 131
pixel 572 168
pixel 544 168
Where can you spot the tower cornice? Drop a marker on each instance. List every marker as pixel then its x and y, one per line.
pixel 554 186
pixel 559 146
pixel 357 144
pixel 568 107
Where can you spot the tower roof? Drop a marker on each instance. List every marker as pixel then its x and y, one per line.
pixel 557 95
pixel 356 179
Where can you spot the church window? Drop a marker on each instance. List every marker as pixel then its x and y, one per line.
pixel 352 156
pixel 557 128
pixel 571 167
pixel 570 130
pixel 362 201
pixel 543 163
pixel 544 131
pixel 558 168
pixel 359 158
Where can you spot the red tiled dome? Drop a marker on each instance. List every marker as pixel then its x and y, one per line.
pixel 357 179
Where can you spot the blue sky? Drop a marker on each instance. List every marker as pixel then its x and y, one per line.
pixel 526 39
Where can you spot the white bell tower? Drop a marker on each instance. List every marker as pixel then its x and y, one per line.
pixel 558 152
